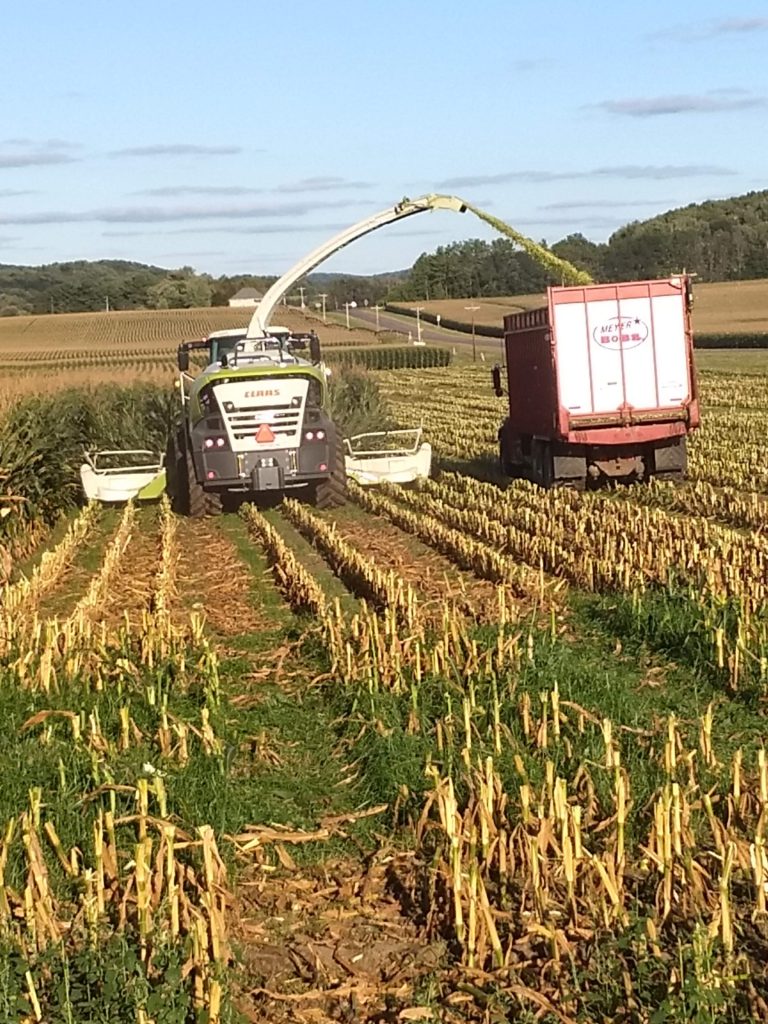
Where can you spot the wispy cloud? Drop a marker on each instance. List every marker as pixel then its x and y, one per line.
pixel 6 241
pixel 419 233
pixel 528 63
pixel 714 102
pixel 626 171
pixel 53 143
pixel 289 228
pixel 190 255
pixel 164 215
pixel 169 191
pixel 738 25
pixel 690 33
pixel 30 153
pixel 177 149
pixel 322 184
pixel 566 222
pixel 605 204
pixel 11 193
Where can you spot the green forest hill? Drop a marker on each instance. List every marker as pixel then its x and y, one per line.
pixel 720 240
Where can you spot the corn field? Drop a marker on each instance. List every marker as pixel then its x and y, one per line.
pixel 463 751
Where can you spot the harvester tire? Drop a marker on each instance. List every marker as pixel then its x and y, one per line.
pixel 175 470
pixel 198 502
pixel 332 493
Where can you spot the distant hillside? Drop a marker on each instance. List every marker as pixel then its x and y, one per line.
pixel 86 286
pixel 90 285
pixel 341 288
pixel 721 240
pixel 321 277
pixel 76 287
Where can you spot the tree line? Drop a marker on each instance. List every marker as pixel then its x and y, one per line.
pixel 720 240
pixel 87 285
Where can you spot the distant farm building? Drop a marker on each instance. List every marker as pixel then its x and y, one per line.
pixel 246 297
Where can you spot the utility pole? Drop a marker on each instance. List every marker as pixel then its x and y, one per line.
pixel 418 322
pixel 106 308
pixel 474 350
pixel 346 310
pixel 324 296
pixel 301 293
pixel 377 307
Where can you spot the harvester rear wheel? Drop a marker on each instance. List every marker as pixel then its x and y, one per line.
pixel 332 493
pixel 196 502
pixel 175 470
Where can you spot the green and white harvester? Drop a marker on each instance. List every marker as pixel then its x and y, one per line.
pixel 256 418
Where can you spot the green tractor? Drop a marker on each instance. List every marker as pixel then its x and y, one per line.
pixel 254 421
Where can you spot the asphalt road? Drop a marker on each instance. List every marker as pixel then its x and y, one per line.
pixel 429 332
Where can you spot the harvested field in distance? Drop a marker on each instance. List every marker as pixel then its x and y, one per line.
pixel 729 307
pixel 150 332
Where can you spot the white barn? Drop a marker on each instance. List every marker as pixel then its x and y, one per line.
pixel 246 297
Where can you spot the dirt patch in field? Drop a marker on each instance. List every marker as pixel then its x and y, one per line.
pixel 332 944
pixel 431 574
pixel 212 579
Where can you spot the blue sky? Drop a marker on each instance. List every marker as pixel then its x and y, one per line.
pixel 237 136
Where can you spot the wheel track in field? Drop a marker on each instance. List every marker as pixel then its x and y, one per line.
pixel 212 580
pixel 343 905
pixel 130 592
pixel 472 552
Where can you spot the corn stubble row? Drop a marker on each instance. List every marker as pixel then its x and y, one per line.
pixel 551 862
pixel 706 536
pixel 521 865
pixel 548 866
pixel 533 838
pixel 539 857
pixel 140 870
